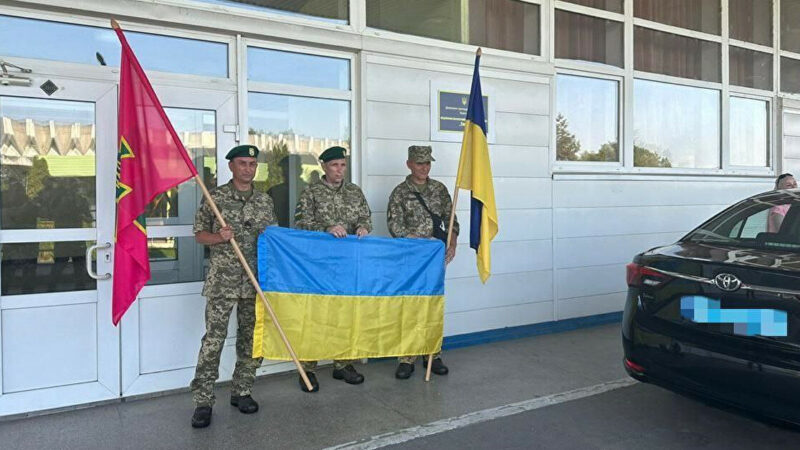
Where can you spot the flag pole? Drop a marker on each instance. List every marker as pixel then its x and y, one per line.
pixel 478 52
pixel 243 261
pixel 254 282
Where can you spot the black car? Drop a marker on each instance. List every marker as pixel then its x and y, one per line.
pixel 717 314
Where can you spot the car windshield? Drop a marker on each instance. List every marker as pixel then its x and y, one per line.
pixel 766 223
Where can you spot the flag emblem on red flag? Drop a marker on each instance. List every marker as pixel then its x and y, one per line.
pixel 151 159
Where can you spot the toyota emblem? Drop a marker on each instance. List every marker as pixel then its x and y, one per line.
pixel 727 282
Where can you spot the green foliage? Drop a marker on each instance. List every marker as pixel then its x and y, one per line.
pixel 643 157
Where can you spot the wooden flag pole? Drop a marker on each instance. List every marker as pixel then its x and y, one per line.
pixel 478 52
pixel 254 282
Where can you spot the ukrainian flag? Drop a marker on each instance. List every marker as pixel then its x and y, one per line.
pixel 475 174
pixel 349 298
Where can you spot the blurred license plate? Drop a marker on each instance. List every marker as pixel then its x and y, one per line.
pixel 741 321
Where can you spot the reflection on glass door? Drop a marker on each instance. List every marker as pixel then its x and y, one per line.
pixel 175 257
pixel 47 182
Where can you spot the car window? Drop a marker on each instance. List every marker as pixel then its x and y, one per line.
pixel 764 223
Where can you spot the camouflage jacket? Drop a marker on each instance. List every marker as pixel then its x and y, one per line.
pixel 406 215
pixel 247 218
pixel 321 206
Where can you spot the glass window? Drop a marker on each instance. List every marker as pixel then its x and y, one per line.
pixel 790 75
pixel 750 68
pixel 790 25
pixel 675 126
pixel 94 45
pixel 177 260
pixel 336 11
pixel 679 56
pixel 43 267
pixel 292 131
pixel 275 66
pixel 504 24
pixel 47 164
pixel 749 125
pixel 751 21
pixel 608 5
pixel 698 15
pixel 588 38
pixel 587 120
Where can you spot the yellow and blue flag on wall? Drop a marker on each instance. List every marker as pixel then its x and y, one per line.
pixel 475 174
pixel 349 298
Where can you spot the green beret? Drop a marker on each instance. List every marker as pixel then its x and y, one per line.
pixel 332 153
pixel 420 153
pixel 242 150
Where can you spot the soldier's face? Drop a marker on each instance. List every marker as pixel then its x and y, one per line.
pixel 334 170
pixel 243 168
pixel 419 170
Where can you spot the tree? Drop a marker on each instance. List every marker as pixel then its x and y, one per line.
pixel 36 177
pixel 567 145
pixel 643 157
pixel 607 152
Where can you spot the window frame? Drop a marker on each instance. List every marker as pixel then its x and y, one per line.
pixel 627 74
pixel 608 165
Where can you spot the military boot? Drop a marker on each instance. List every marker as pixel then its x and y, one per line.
pixel 348 374
pixel 312 378
pixel 404 371
pixel 437 367
pixel 201 417
pixel 245 403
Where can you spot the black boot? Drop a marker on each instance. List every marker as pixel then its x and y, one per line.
pixel 201 417
pixel 245 403
pixel 348 374
pixel 437 367
pixel 404 371
pixel 312 379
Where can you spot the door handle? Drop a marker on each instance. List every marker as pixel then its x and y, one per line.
pixel 89 261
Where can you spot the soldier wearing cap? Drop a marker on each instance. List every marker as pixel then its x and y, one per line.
pixel 246 212
pixel 420 207
pixel 338 207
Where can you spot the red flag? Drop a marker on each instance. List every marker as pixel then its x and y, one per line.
pixel 151 160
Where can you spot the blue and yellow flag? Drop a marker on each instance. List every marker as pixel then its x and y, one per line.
pixel 349 298
pixel 475 174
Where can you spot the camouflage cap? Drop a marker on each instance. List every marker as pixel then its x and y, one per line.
pixel 332 153
pixel 420 153
pixel 242 150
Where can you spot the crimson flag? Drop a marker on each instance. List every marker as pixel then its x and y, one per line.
pixel 151 160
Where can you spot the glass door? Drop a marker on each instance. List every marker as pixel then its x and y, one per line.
pixel 57 162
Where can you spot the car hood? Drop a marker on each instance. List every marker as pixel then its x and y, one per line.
pixel 721 254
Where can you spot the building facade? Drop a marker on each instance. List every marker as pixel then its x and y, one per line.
pixel 615 126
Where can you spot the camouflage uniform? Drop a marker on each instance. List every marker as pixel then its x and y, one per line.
pixel 322 206
pixel 406 216
pixel 227 284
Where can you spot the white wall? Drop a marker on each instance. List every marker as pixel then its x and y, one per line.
pixel 566 237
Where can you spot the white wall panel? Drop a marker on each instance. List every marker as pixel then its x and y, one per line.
pixel 589 306
pixel 397 121
pixel 49 346
pixel 170 331
pixel 507 257
pixel 791 147
pixel 494 318
pixel 522 129
pixel 596 193
pixel 467 294
pixel 604 250
pixel 592 280
pixel 582 222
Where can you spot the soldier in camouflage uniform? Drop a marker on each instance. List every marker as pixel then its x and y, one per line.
pixel 338 207
pixel 412 205
pixel 247 212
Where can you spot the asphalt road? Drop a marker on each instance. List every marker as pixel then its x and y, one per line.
pixel 641 416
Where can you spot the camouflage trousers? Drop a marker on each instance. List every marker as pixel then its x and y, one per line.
pixel 218 312
pixel 412 359
pixel 338 364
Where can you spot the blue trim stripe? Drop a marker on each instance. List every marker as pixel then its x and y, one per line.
pixel 504 334
pixel 309 262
